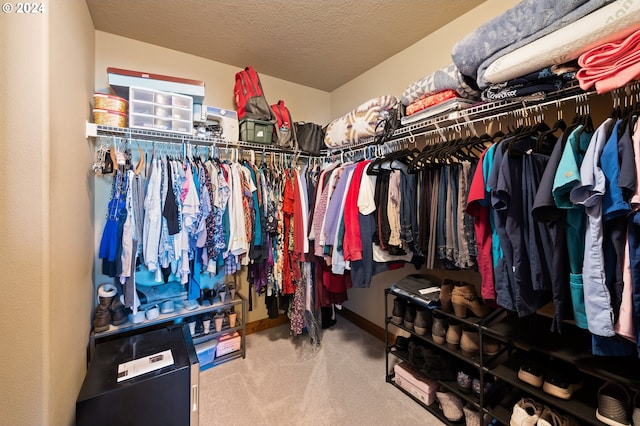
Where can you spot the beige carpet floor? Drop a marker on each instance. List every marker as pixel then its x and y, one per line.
pixel 285 380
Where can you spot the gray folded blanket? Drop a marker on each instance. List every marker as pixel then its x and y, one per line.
pixel 525 22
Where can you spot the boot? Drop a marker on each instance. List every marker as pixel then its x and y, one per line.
pixel 463 297
pixel 439 328
pixel 470 341
pixel 102 316
pixel 118 311
pixel 422 323
pixel 445 295
pixel 409 316
pixel 453 334
pixel 399 306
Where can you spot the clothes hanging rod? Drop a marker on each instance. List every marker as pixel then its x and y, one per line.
pixel 147 136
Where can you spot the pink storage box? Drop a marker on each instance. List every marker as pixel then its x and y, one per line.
pixel 415 383
pixel 228 343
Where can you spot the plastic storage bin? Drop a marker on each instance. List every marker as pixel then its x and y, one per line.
pixel 155 110
pixel 256 131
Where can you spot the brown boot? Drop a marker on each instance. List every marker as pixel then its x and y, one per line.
pixel 102 316
pixel 445 294
pixel 118 311
pixel 464 297
pixel 470 341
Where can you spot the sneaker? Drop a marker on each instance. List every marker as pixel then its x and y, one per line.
pixel 531 370
pixel 613 405
pixel 561 380
pixel 451 406
pixel 526 412
pixel 399 306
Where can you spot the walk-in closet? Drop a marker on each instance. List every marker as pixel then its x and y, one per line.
pixel 337 212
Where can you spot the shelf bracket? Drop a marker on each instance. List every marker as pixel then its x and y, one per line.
pixel 91 130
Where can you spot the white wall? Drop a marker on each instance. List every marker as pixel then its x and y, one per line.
pixel 46 71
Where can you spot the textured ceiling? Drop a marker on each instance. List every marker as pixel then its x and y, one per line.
pixel 316 43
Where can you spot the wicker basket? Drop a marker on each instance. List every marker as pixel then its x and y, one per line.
pixel 110 102
pixel 109 118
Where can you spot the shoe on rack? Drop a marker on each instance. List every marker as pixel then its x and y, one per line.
pixel 489 387
pixel 409 315
pixel 490 346
pixel 471 416
pixel 454 333
pixel 464 297
pixel 402 343
pixel 548 417
pixel 531 369
pixel 439 328
pixel 463 381
pixel 445 294
pixel 451 405
pixel 423 321
pixel 526 412
pixel 399 306
pixel 119 314
pixel 470 341
pixel 562 380
pixel 613 405
pixel 102 317
pixel 635 417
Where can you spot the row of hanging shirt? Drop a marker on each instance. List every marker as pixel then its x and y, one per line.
pixel 556 213
pixel 183 217
pixel 399 207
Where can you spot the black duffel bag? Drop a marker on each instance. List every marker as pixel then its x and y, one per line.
pixel 310 137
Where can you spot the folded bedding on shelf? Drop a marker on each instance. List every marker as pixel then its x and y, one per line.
pixel 539 83
pixel 363 122
pixel 525 22
pixel 447 78
pixel 429 101
pixel 610 65
pixel 454 104
pixel 609 23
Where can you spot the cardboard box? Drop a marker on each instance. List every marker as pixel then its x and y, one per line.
pixel 415 383
pixel 228 343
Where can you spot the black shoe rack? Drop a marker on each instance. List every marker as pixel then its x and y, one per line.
pixel 519 338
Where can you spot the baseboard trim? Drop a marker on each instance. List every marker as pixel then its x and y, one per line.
pixel 265 324
pixel 366 325
pixel 359 321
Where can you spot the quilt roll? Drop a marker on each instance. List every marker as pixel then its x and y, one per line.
pixel 360 123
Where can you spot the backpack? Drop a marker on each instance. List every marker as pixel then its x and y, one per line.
pixel 249 97
pixel 283 128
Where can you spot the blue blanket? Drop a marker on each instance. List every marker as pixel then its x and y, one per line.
pixel 525 22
